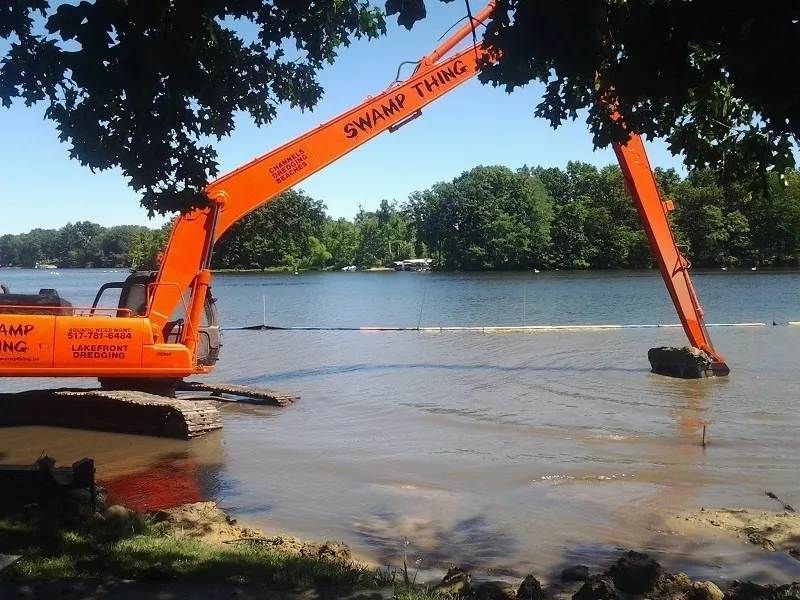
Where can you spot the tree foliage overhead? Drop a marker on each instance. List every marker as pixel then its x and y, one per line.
pixel 715 78
pixel 145 85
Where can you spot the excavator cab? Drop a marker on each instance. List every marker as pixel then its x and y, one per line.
pixel 47 301
pixel 132 301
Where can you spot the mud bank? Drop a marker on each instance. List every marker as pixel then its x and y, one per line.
pixel 197 549
pixel 206 522
pixel 774 531
pixel 61 537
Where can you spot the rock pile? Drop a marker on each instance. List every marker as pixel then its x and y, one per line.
pixel 634 576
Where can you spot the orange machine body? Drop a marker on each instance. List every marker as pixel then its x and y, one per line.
pixel 49 341
pixel 62 345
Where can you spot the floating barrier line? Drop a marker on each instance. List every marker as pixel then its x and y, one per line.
pixel 485 329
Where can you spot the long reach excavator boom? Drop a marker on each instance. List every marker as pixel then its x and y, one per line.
pixel 236 194
pixel 163 325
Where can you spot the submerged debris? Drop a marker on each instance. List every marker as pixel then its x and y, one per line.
pixel 246 394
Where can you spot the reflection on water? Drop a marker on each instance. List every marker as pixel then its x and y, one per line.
pixel 167 482
pixel 144 473
pixel 499 451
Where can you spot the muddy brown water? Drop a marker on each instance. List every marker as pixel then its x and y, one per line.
pixel 502 451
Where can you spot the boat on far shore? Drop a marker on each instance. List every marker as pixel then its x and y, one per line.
pixel 413 264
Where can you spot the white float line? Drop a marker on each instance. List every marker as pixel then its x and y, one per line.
pixel 498 328
pixel 486 329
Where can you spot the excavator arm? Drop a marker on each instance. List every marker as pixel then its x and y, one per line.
pixel 641 184
pixel 44 335
pixel 186 262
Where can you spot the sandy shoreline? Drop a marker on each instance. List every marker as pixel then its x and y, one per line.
pixel 630 574
pixel 762 535
pixel 777 531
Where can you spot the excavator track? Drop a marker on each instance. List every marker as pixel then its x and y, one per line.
pixel 245 393
pixel 118 411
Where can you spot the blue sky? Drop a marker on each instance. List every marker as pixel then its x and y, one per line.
pixel 474 124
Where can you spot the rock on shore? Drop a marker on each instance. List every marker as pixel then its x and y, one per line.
pixel 635 575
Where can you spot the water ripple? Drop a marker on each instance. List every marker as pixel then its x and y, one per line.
pixel 495 449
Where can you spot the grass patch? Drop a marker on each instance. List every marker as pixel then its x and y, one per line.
pixel 139 548
pixel 417 593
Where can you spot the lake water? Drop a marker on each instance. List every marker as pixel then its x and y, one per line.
pixel 508 452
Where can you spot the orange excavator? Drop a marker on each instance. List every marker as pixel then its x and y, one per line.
pixel 162 326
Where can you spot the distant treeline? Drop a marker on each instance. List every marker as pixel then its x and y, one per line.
pixel 84 244
pixel 487 218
